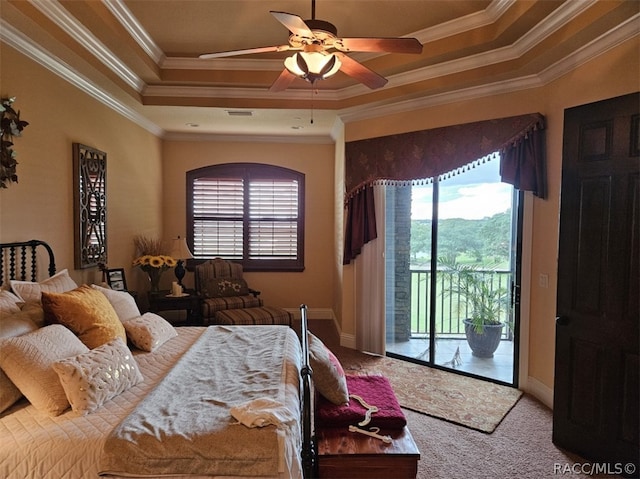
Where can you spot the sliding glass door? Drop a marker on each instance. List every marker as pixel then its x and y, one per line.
pixel 451 256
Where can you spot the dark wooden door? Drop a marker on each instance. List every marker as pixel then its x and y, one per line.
pixel 597 335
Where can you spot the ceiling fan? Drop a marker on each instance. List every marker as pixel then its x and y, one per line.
pixel 323 53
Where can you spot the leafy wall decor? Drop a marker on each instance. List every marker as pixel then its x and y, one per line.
pixel 10 125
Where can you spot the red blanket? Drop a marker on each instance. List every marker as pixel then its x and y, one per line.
pixel 376 391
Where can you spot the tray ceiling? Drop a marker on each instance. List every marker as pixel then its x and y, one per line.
pixel 141 56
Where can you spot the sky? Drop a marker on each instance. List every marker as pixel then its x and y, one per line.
pixel 475 194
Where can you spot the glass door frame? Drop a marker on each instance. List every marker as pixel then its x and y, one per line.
pixel 517 222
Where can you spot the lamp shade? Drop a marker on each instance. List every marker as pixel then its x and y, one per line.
pixel 312 65
pixel 179 249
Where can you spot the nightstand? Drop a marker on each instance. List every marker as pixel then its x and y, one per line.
pixel 190 302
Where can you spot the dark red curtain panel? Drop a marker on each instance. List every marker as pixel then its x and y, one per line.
pixel 361 223
pixel 421 155
pixel 523 164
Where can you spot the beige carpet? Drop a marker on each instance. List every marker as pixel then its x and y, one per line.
pixel 459 399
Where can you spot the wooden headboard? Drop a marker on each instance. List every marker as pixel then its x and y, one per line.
pixel 20 260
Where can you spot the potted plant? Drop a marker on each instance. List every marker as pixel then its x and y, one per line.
pixel 484 304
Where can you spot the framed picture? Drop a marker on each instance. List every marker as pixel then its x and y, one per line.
pixel 116 279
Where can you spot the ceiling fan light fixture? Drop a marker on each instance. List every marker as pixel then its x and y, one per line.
pixel 313 65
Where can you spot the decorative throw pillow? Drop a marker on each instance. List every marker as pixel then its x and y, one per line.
pixel 16 324
pixel 9 393
pixel 27 360
pixel 34 312
pixel 86 312
pixel 123 303
pixel 149 331
pixel 31 292
pixel 12 325
pixel 90 379
pixel 224 287
pixel 9 302
pixel 328 375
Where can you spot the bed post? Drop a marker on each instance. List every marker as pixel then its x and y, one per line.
pixel 308 437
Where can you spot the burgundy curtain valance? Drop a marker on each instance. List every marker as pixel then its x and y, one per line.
pixel 426 154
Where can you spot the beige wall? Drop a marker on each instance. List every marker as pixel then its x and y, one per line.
pixel 315 285
pixel 40 205
pixel 612 74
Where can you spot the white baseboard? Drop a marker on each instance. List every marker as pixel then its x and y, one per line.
pixel 540 391
pixel 348 340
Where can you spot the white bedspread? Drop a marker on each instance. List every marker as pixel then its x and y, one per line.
pixel 33 445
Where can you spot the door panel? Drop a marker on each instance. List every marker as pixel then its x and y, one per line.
pixel 597 334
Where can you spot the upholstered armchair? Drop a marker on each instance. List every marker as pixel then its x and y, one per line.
pixel 222 286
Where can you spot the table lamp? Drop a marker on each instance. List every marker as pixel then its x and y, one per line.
pixel 180 251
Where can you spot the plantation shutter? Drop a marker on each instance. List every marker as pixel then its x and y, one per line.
pixel 273 225
pixel 248 213
pixel 218 209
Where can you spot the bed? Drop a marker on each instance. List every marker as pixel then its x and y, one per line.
pixel 217 401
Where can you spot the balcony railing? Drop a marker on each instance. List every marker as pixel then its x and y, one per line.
pixel 450 309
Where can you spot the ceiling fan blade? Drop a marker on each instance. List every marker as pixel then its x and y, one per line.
pixel 391 45
pixel 248 51
pixel 294 24
pixel 283 81
pixel 361 73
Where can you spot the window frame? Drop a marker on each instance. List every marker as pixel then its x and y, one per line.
pixel 249 172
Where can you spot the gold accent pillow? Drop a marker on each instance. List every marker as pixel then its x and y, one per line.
pixel 85 311
pixel 93 378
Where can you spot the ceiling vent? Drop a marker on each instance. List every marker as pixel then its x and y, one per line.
pixel 239 112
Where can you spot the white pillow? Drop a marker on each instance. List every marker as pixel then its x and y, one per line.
pixel 123 303
pixel 9 302
pixel 12 325
pixel 9 393
pixel 328 374
pixel 93 378
pixel 16 324
pixel 27 360
pixel 29 291
pixel 149 331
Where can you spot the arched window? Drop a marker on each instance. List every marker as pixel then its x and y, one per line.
pixel 250 213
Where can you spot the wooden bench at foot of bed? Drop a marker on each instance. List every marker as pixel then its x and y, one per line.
pixel 349 455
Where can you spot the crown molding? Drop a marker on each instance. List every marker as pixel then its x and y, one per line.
pixel 250 138
pixel 14 38
pixel 77 31
pixel 130 23
pixel 623 32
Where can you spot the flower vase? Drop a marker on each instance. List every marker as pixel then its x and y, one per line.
pixel 154 279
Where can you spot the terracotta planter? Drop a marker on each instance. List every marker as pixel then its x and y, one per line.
pixel 484 344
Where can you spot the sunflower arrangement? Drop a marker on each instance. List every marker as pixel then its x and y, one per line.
pixel 161 262
pixel 151 259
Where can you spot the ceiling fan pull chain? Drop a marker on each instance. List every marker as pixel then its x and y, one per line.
pixel 312 92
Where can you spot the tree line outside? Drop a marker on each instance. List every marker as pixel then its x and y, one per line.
pixel 484 243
